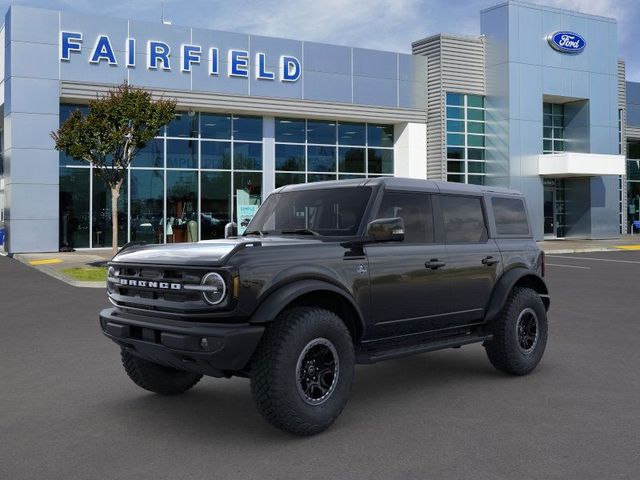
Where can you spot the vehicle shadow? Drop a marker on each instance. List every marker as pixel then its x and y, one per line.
pixel 224 408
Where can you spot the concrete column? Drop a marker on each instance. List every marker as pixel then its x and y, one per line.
pixel 410 150
pixel 268 156
pixel 31 112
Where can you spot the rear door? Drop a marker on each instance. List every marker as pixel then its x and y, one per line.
pixel 474 259
pixel 408 282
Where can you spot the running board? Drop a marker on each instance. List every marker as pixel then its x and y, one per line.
pixel 373 355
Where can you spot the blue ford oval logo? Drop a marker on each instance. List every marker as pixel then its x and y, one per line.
pixel 567 42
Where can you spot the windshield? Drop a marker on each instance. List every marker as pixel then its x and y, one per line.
pixel 335 212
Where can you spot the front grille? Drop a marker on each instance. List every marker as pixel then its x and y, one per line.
pixel 155 289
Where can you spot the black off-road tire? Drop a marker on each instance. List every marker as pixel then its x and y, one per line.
pixel 510 352
pixel 157 378
pixel 278 373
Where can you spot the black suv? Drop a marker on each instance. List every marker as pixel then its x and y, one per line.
pixel 328 275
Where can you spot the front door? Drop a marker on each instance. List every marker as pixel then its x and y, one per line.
pixel 409 288
pixel 554 208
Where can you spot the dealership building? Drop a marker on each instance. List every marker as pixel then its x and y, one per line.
pixel 538 102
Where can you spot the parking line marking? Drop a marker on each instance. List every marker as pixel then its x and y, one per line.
pixel 594 259
pixel 568 266
pixel 47 261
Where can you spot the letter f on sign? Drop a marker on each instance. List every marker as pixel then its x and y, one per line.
pixel 69 42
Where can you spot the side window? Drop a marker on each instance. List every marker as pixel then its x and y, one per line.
pixel 463 219
pixel 510 215
pixel 414 209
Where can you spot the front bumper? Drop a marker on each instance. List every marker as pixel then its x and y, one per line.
pixel 210 349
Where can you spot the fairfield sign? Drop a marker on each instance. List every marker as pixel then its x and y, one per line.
pixel 159 56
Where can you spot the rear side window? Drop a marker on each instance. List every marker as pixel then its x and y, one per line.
pixel 463 219
pixel 510 215
pixel 415 211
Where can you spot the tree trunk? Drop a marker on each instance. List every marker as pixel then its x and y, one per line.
pixel 115 194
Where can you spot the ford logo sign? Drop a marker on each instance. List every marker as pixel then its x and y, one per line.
pixel 567 42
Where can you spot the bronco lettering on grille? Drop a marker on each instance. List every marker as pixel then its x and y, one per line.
pixel 149 284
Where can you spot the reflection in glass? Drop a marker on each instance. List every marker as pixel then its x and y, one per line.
pixel 380 135
pixel 290 130
pixel 151 155
pixel 181 223
pixel 147 195
pixel 182 153
pixel 185 124
pixel 319 131
pixel 321 159
pixel 216 155
pixel 455 99
pixel 74 207
pixel 380 160
pixel 101 215
pixel 283 179
pixel 65 112
pixel 315 177
pixel 290 157
pixel 351 133
pixel 247 156
pixel 351 160
pixel 215 201
pixel 215 126
pixel 247 127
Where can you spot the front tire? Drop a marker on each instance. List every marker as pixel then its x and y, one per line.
pixel 302 371
pixel 157 378
pixel 519 333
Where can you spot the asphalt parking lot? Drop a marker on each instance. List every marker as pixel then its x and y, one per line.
pixel 68 411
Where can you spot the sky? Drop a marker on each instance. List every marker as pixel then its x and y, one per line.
pixel 378 24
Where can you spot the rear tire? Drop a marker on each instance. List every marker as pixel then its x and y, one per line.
pixel 302 371
pixel 519 333
pixel 157 378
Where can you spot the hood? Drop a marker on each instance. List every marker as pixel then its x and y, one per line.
pixel 207 252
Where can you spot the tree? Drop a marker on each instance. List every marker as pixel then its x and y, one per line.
pixel 117 126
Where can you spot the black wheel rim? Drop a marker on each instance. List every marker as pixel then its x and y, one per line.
pixel 527 330
pixel 317 371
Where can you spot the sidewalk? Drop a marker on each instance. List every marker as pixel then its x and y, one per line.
pixel 54 263
pixel 626 242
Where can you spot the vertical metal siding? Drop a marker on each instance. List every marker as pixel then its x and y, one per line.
pixel 454 64
pixel 622 110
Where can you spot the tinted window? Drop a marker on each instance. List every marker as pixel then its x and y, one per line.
pixel 463 219
pixel 511 217
pixel 415 211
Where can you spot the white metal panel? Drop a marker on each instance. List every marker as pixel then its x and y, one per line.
pixel 573 164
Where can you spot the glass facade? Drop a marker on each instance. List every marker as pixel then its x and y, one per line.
pixel 183 185
pixel 633 182
pixel 465 130
pixel 317 150
pixel 553 140
pixel 180 188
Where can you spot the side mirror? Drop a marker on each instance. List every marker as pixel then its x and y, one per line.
pixel 386 230
pixel 230 230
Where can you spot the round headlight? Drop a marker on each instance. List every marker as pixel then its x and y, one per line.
pixel 111 273
pixel 215 288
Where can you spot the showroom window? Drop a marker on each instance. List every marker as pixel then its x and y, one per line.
pixel 317 150
pixel 181 187
pixel 465 131
pixel 553 140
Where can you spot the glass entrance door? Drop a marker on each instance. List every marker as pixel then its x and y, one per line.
pixel 554 208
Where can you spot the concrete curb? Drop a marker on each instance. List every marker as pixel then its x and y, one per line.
pixel 580 250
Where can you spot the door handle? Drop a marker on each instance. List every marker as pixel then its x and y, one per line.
pixel 434 264
pixel 489 261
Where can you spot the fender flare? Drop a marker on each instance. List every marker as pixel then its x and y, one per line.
pixel 282 296
pixel 505 285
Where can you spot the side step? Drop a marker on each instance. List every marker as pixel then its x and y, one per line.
pixel 377 353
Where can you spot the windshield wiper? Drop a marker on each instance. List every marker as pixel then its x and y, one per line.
pixel 301 231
